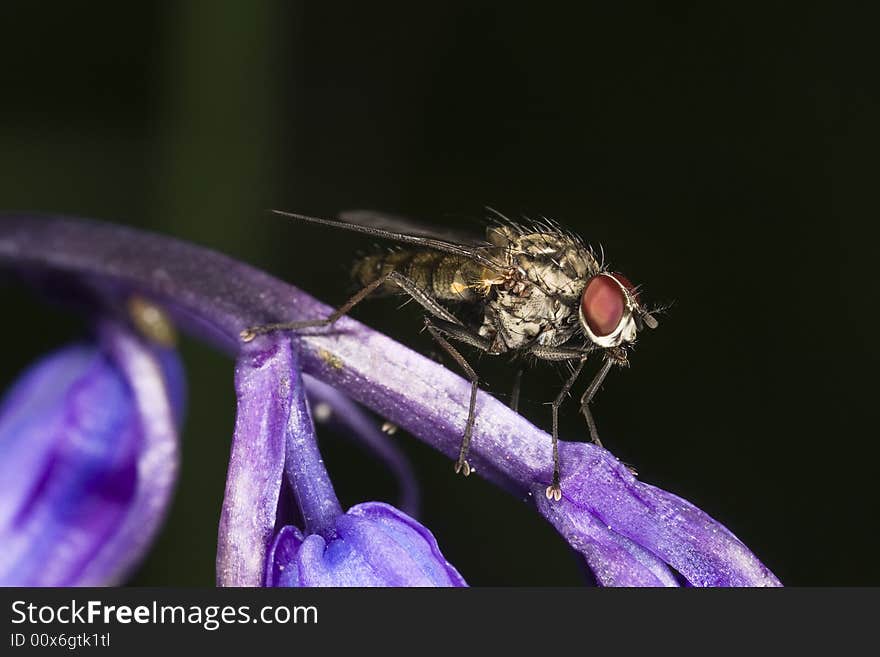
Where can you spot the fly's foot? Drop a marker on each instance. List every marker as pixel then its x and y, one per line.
pixel 462 466
pixel 250 333
pixel 554 491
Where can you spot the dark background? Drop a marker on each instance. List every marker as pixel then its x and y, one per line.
pixel 724 156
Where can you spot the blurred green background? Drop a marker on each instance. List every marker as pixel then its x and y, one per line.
pixel 723 156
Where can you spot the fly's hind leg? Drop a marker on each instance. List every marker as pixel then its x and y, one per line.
pixel 408 286
pixel 462 335
pixel 445 323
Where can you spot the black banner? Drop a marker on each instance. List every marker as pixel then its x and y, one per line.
pixel 112 621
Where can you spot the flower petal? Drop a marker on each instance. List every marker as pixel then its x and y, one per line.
pixel 88 460
pixel 156 379
pixel 414 537
pixel 256 465
pixel 700 548
pixel 614 559
pixel 282 568
pixel 374 544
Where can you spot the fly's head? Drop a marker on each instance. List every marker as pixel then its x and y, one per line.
pixel 610 313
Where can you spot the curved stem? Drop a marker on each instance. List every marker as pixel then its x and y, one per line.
pixel 304 466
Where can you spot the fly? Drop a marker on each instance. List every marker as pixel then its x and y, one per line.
pixel 529 288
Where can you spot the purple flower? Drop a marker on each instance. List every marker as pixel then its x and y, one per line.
pixel 88 460
pixel 629 533
pixel 373 544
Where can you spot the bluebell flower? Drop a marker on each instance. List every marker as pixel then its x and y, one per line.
pixel 629 533
pixel 275 446
pixel 88 460
pixel 372 544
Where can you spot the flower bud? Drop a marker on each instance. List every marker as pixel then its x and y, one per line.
pixel 374 545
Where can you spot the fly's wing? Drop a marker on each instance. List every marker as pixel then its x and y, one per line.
pixel 404 231
pixel 406 226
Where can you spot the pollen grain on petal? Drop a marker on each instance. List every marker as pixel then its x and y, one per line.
pixel 151 321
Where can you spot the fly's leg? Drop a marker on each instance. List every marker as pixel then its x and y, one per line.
pixel 250 333
pixel 446 323
pixel 461 334
pixel 461 465
pixel 554 490
pixel 559 353
pixel 514 394
pixel 467 337
pixel 590 392
pixel 588 395
pixel 399 279
pixel 613 357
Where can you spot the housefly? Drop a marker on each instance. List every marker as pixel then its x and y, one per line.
pixel 528 288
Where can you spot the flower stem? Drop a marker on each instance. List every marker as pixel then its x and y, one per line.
pixel 303 464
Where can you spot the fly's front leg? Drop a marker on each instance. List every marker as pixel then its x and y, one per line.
pixel 424 300
pixel 514 394
pixel 463 335
pixel 554 490
pixel 613 358
pixel 588 395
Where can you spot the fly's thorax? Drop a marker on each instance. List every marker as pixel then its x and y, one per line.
pixel 525 314
pixel 540 302
pixel 557 262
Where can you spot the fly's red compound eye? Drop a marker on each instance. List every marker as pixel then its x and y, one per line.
pixel 623 280
pixel 603 304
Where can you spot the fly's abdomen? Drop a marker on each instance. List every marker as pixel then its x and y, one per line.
pixel 444 277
